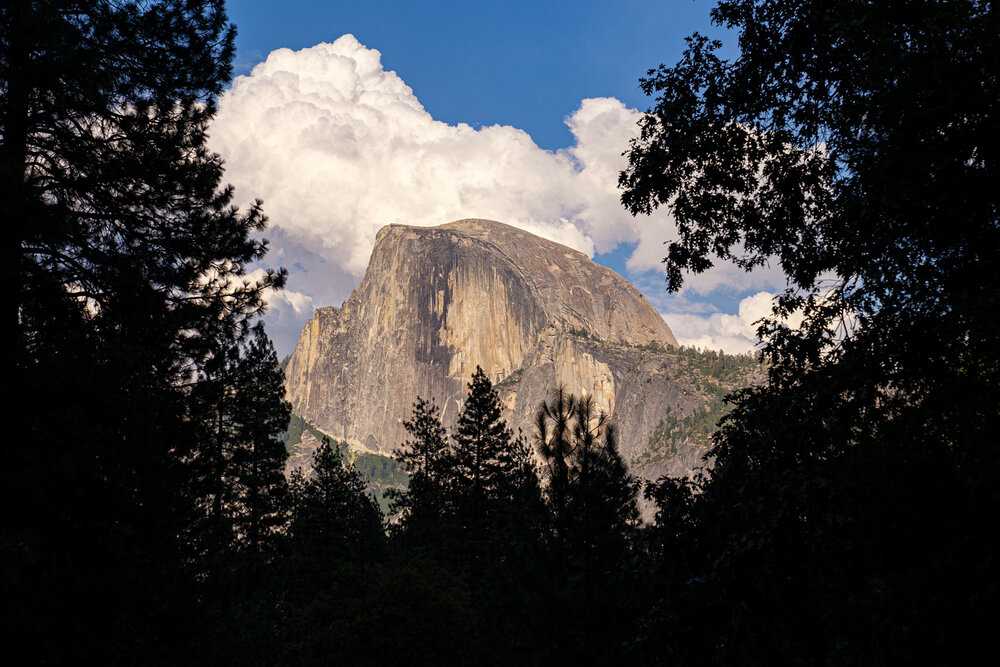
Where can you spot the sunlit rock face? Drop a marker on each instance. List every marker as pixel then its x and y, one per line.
pixel 435 302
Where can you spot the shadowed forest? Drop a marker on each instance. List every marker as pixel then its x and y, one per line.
pixel 850 510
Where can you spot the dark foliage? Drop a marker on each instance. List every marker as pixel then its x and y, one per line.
pixel 465 495
pixel 123 258
pixel 333 518
pixel 414 612
pixel 492 478
pixel 334 524
pixel 591 502
pixel 855 144
pixel 334 568
pixel 236 466
pixel 423 457
pixel 473 505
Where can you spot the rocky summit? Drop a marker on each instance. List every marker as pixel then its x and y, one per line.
pixel 435 302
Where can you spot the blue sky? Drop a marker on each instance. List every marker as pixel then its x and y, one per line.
pixel 526 64
pixel 345 116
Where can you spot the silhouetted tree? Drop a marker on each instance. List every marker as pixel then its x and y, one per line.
pixel 554 440
pixel 236 467
pixel 499 517
pixel 260 413
pixel 589 491
pixel 474 506
pixel 334 521
pixel 490 468
pixel 123 260
pixel 592 501
pixel 423 504
pixel 462 495
pixel 236 473
pixel 855 145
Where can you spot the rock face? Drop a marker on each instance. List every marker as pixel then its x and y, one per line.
pixel 436 302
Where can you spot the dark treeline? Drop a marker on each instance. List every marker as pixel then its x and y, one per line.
pixel 850 513
pixel 142 398
pixel 855 145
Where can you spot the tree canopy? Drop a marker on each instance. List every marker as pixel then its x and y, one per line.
pixel 856 146
pixel 124 259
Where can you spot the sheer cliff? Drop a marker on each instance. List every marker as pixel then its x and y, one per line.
pixel 435 302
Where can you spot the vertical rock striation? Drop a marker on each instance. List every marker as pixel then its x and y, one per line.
pixel 435 302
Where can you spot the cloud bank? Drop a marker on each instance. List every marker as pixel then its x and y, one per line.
pixel 733 334
pixel 337 147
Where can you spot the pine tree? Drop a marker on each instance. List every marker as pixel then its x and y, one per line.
pixel 462 496
pixel 490 470
pixel 237 465
pixel 484 454
pixel 124 259
pixel 589 491
pixel 591 499
pixel 335 536
pixel 424 457
pixel 474 506
pixel 334 522
pixel 554 442
pixel 238 482
pixel 261 414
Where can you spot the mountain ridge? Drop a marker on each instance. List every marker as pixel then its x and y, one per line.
pixel 436 302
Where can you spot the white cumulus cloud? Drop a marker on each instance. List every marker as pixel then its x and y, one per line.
pixel 337 147
pixel 733 334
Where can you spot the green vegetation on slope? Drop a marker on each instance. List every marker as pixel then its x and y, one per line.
pixel 712 376
pixel 725 368
pixel 379 473
pixel 296 427
pixel 695 427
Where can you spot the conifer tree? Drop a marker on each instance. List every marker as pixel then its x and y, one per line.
pixel 490 470
pixel 474 506
pixel 261 413
pixel 485 454
pixel 590 494
pixel 423 456
pixel 237 481
pixel 334 521
pixel 123 256
pixel 237 465
pixel 554 441
pixel 593 512
pixel 602 501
